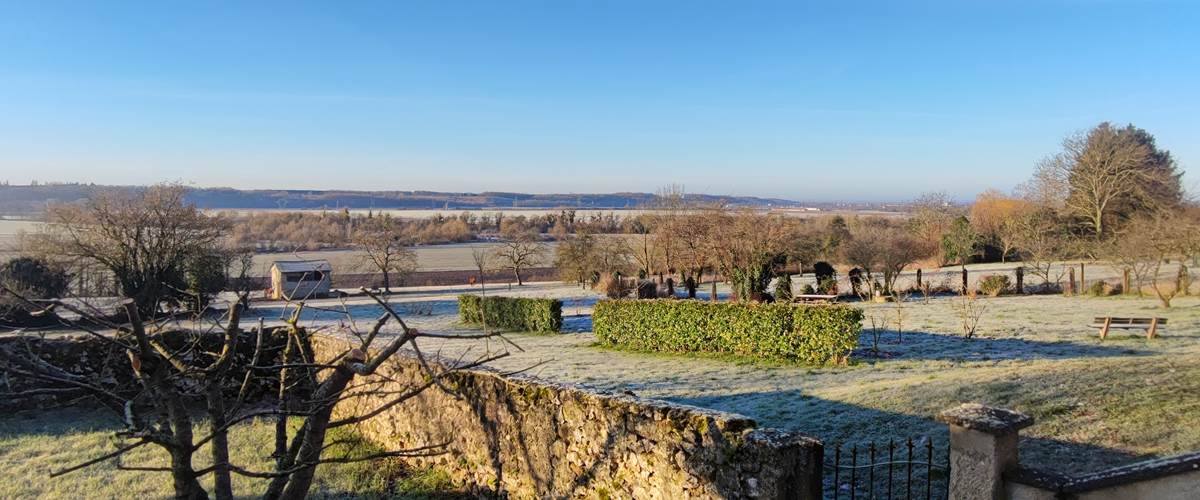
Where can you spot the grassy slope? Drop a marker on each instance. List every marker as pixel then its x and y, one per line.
pixel 32 445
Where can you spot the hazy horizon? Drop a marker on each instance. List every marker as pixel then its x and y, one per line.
pixel 873 102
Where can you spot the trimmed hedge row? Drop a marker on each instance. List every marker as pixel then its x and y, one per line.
pixel 532 315
pixel 816 334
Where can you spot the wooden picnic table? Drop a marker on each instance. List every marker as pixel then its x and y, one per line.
pixel 816 298
pixel 1150 325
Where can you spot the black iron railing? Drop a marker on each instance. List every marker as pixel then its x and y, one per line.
pixel 878 472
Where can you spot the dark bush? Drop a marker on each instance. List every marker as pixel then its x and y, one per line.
pixel 826 278
pixel 646 289
pixel 531 315
pixel 33 279
pixel 816 334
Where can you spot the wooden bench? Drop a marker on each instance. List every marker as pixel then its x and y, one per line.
pixel 810 298
pixel 1150 325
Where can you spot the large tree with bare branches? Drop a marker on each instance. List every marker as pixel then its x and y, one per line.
pixel 520 250
pixel 385 248
pixel 1106 175
pixel 145 239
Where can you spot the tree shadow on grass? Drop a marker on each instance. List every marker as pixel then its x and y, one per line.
pixel 944 347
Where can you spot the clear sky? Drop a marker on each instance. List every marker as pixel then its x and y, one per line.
pixel 876 101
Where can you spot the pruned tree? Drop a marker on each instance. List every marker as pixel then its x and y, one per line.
pixel 386 249
pixel 520 250
pixel 197 370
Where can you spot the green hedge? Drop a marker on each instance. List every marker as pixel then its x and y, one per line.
pixel 816 334
pixel 532 315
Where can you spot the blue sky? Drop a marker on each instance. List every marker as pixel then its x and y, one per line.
pixel 877 101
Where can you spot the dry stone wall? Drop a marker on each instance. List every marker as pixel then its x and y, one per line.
pixel 527 438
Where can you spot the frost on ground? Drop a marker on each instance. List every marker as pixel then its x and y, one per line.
pixel 1095 404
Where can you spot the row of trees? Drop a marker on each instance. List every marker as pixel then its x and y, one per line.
pixel 1111 194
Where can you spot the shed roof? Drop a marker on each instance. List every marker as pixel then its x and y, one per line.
pixel 301 266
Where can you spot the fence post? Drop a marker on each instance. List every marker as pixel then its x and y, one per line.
pixel 965 288
pixel 1070 281
pixel 983 445
pixel 918 279
pixel 1125 281
pixel 1020 280
pixel 1082 280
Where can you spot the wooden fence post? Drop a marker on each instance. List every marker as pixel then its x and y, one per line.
pixel 965 288
pixel 1070 281
pixel 918 279
pixel 1125 281
pixel 1082 280
pixel 1020 280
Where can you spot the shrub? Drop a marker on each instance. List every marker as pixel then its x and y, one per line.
pixel 33 279
pixel 783 288
pixel 646 289
pixel 1103 289
pixel 533 315
pixel 814 334
pixel 613 287
pixel 995 284
pixel 809 290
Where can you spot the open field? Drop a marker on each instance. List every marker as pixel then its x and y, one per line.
pixel 1097 404
pixel 453 257
pixel 34 444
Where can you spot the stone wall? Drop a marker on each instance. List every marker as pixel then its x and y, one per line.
pixel 528 438
pixel 95 361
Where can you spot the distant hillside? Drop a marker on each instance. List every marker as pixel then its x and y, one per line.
pixel 25 200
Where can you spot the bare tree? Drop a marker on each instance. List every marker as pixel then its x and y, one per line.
pixel 520 250
pixel 385 249
pixel 1107 174
pixel 877 246
pixel 174 377
pixel 483 262
pixel 970 312
pixel 1169 237
pixel 1041 241
pixel 144 239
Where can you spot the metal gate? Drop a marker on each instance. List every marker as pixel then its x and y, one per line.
pixel 897 470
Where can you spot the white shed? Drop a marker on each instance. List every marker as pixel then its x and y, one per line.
pixel 300 279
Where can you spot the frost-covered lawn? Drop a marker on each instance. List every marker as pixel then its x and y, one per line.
pixel 1097 404
pixel 33 444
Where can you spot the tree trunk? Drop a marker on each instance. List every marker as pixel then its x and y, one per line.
pixel 222 485
pixel 517 274
pixel 387 283
pixel 313 434
pixel 183 475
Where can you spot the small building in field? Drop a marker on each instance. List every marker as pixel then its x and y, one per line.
pixel 300 279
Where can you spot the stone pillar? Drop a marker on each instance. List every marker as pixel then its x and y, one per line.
pixel 983 445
